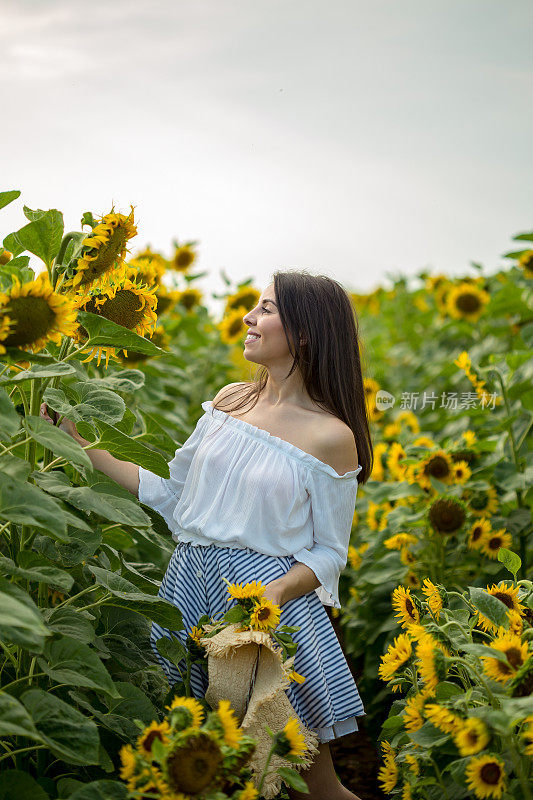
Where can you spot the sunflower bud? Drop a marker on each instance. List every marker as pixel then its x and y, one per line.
pixel 180 718
pixel 5 257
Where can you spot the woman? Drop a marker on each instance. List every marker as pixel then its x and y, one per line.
pixel 265 489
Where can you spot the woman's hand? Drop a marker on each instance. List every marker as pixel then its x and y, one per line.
pixel 66 424
pixel 274 592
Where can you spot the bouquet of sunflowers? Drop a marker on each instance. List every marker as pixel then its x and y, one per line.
pixel 203 755
pixel 253 612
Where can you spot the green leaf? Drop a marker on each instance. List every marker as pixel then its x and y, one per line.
pixel 42 236
pixel 510 560
pixel 101 790
pixel 124 380
pixel 94 402
pixel 58 441
pixel 17 785
pixel 489 606
pixel 527 237
pixel 9 418
pixel 26 504
pixel 20 619
pixel 85 498
pixel 235 614
pixel 70 622
pixel 428 736
pixel 15 720
pixel 104 332
pixel 293 779
pixel 34 567
pixel 483 650
pixel 68 733
pixel 171 649
pixel 133 703
pixel 70 661
pixel 7 197
pixel 127 449
pixel 59 369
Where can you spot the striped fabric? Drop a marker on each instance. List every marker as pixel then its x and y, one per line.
pixel 328 701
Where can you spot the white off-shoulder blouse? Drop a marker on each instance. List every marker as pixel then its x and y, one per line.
pixel 233 484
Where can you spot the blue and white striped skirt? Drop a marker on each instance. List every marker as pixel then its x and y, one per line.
pixel 328 701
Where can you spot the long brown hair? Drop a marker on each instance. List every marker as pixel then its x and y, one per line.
pixel 318 310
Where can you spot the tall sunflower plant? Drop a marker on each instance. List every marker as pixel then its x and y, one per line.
pixel 464 662
pixel 80 558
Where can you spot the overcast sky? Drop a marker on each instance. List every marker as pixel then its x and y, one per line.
pixel 355 139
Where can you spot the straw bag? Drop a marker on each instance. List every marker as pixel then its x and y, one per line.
pixel 246 668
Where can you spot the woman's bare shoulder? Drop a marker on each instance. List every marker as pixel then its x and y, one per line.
pixel 228 389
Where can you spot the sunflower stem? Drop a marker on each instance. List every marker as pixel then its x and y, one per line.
pixel 492 697
pixel 59 258
pixel 30 450
pixel 518 764
pixel 263 775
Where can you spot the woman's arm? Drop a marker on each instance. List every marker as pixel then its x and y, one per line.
pixel 123 472
pixel 298 580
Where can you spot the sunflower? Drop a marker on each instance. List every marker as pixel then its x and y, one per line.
pixel 447 515
pixel 128 304
pixel 483 502
pixel 32 314
pixel 252 589
pixel 377 514
pixel 265 615
pixel 516 623
pixel 400 540
pixel 290 740
pixel 193 764
pixel 461 472
pixel 129 762
pixel 191 712
pixel 147 266
pixel 516 653
pixel 104 250
pixel 527 734
pixel 388 773
pixel 508 594
pixel 228 721
pixel 431 660
pixel 413 764
pixel 525 262
pixel 354 559
pixel 414 705
pixel 396 454
pixel 477 532
pixel 159 338
pixel 406 792
pixel 471 737
pixel 408 420
pixel 246 297
pixel 184 256
pixel 5 256
pixel 190 298
pixel 466 301
pixel 437 464
pixel 412 580
pixel 156 730
pixel 491 542
pixel 485 775
pixel 434 599
pixel 391 431
pixel 396 656
pixel 434 281
pixel 196 634
pixel 442 718
pixel 378 471
pixel 248 793
pixel 402 602
pixel 232 327
pixel 166 299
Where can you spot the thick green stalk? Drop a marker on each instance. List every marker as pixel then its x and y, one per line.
pixel 30 451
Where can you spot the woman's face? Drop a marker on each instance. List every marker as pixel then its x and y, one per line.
pixel 264 319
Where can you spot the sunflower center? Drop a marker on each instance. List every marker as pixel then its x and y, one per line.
pixel 495 542
pixel 490 773
pixel 125 308
pixel 476 533
pixel 149 740
pixel 505 599
pixel 438 467
pixel 264 614
pixel 106 254
pixel 192 767
pixel 32 317
pixel 183 258
pixel 468 302
pixel 235 327
pixel 514 656
pixel 472 737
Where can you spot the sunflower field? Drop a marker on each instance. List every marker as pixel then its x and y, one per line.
pixel 437 595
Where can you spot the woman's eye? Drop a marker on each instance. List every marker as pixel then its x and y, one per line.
pixel 265 309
